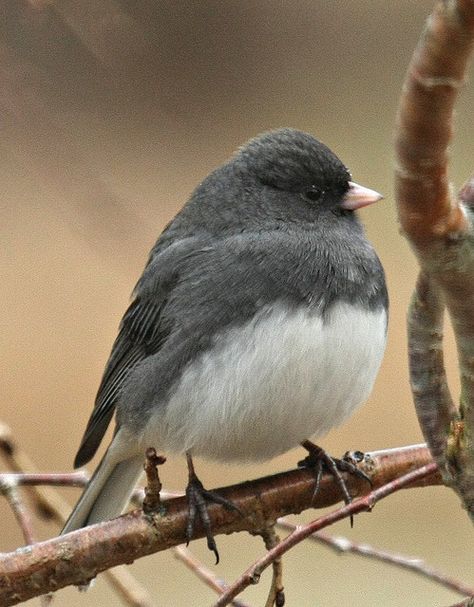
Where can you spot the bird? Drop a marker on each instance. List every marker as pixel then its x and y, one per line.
pixel 259 323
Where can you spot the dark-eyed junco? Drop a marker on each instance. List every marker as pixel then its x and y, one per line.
pixel 259 322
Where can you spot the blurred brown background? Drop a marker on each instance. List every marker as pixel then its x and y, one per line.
pixel 111 112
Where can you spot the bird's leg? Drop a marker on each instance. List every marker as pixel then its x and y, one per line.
pixel 318 459
pixel 198 498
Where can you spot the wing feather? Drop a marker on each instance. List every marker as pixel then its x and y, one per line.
pixel 141 334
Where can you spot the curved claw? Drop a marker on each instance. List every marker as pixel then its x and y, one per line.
pixel 197 506
pixel 319 459
pixel 198 499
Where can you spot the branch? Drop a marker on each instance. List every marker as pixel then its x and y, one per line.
pixel 50 505
pixel 124 583
pixel 424 125
pixel 52 479
pixel 276 596
pixel 203 573
pixel 469 602
pixel 363 504
pixel 81 555
pixel 410 563
pixel 440 228
pixel 433 402
pixel 9 488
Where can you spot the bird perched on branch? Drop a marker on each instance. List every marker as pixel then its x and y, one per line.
pixel 258 323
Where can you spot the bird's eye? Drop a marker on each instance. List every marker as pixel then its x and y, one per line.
pixel 314 194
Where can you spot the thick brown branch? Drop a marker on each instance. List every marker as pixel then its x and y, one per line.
pixel 424 128
pixel 79 556
pixel 441 230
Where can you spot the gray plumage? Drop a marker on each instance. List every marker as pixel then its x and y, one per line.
pixel 265 229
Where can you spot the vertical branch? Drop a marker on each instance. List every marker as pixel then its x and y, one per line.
pixel 433 403
pixel 10 491
pixel 23 516
pixel 276 596
pixel 440 228
pixel 424 124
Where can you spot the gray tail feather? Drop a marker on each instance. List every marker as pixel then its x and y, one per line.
pixel 107 493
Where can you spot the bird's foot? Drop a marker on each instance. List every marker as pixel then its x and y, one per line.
pixel 198 500
pixel 319 460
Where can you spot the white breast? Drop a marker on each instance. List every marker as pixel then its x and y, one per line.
pixel 282 378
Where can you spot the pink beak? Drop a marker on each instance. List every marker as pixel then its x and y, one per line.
pixel 357 197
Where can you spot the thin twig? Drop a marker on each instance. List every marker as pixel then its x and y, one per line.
pixel 411 563
pixel 184 555
pixel 366 503
pixel 9 488
pixel 129 588
pixel 469 602
pixel 276 596
pixel 46 501
pixel 53 479
pixel 10 491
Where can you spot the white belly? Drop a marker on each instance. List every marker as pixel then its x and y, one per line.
pixel 282 378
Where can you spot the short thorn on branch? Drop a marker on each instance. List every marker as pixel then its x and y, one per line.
pixel 152 501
